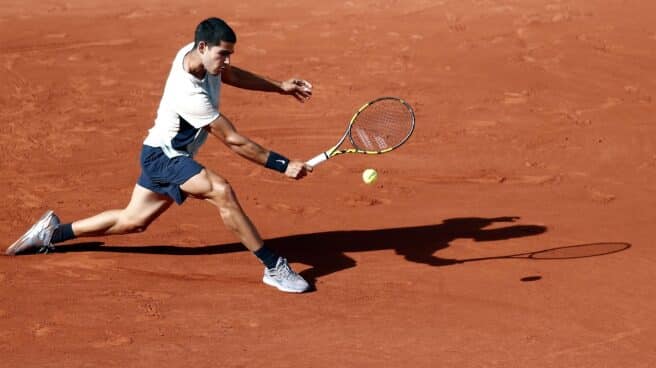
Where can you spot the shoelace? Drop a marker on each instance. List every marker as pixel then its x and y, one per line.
pixel 47 246
pixel 287 273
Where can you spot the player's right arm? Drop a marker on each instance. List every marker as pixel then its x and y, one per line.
pixel 225 131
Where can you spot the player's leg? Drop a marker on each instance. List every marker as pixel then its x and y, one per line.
pixel 216 190
pixel 144 207
pixel 213 188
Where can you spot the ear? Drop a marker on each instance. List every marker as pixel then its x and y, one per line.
pixel 202 45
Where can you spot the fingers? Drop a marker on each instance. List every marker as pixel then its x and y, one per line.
pixel 297 169
pixel 302 83
pixel 302 89
pixel 300 97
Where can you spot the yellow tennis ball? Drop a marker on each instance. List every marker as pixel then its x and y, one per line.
pixel 369 176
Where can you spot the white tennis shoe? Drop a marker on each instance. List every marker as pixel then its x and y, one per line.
pixel 284 278
pixel 37 237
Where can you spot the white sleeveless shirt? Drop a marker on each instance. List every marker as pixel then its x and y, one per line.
pixel 187 106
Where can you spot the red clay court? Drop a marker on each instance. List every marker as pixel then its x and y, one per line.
pixel 535 131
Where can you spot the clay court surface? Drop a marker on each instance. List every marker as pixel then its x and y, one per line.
pixel 535 131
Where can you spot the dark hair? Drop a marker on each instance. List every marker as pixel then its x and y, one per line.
pixel 213 31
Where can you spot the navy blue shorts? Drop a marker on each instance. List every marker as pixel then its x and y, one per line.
pixel 165 175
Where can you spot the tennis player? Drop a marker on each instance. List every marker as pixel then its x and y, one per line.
pixel 187 114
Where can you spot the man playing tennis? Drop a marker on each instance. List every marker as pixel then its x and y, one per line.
pixel 188 112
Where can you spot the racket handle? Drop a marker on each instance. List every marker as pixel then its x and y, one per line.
pixel 317 159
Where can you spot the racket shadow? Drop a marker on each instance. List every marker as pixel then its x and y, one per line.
pixel 565 252
pixel 325 252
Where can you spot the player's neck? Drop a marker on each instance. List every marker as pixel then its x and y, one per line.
pixel 193 65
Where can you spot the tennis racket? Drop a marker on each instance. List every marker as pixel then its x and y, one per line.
pixel 379 126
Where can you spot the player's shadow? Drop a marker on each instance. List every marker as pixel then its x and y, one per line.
pixel 326 252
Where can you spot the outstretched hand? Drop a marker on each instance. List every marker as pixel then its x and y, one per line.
pixel 299 88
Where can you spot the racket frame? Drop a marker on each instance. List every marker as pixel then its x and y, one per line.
pixel 334 151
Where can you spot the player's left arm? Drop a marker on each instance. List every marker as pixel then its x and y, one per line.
pixel 240 78
pixel 225 131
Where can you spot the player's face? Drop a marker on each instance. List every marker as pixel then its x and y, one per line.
pixel 217 58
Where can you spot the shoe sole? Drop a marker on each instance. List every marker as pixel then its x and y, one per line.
pixel 15 248
pixel 281 288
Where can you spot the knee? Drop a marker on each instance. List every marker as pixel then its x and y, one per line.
pixel 224 199
pixel 131 225
pixel 222 193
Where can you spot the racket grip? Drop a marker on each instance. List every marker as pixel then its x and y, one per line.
pixel 316 160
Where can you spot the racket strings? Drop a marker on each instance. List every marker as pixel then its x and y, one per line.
pixel 382 125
